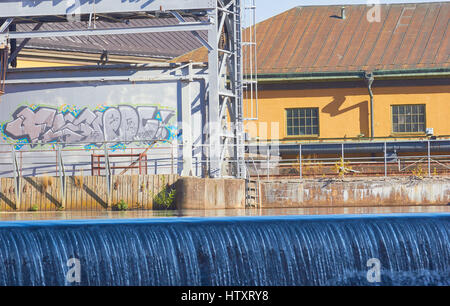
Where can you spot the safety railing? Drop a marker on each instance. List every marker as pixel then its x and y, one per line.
pixel 162 157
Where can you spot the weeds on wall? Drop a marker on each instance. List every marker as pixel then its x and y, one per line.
pixel 342 168
pixel 121 206
pixel 418 172
pixel 34 208
pixel 165 198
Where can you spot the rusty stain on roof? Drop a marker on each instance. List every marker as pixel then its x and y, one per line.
pixel 315 39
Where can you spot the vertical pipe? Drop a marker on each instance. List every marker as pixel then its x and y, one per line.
pixel 108 174
pixel 369 78
pixel 429 159
pixel 172 156
pixel 301 162
pixel 385 160
pixel 372 133
pixel 268 157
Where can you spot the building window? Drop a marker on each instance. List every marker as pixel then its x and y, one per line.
pixel 302 121
pixel 408 118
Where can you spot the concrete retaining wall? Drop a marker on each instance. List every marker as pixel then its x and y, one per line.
pixel 355 192
pixel 195 193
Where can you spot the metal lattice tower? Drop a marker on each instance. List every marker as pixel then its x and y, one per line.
pixel 222 19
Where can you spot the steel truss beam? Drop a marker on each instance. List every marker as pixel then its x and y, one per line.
pixel 187 26
pixel 31 8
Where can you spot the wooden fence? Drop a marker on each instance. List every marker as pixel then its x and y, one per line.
pixel 82 193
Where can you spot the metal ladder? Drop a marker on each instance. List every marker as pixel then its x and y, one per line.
pixel 250 77
pixel 252 188
pixel 252 196
pixel 239 141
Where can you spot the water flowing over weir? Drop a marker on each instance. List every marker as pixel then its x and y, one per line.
pixel 413 249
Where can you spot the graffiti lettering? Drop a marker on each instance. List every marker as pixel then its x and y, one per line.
pixel 123 124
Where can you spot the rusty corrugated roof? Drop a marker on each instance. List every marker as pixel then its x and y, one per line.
pixel 159 45
pixel 316 39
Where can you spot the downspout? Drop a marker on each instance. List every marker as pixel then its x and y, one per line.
pixel 369 78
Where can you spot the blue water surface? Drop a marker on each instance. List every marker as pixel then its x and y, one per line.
pixel 413 249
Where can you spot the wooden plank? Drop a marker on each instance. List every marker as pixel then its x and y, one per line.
pixel 152 193
pixel 7 199
pixel 69 192
pixel 126 194
pixel 80 192
pixel 144 192
pixel 38 188
pixel 74 196
pixel 95 189
pixel 139 192
pixel 96 204
pixel 50 198
pixel 3 205
pixel 134 191
pixel 114 190
pixel 86 194
pixel 33 194
pixel 92 193
pixel 76 192
pixel 26 195
pixel 103 190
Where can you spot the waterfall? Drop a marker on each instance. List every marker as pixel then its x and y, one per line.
pixel 412 249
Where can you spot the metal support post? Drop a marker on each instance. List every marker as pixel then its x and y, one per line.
pixel 62 177
pixel 214 124
pixel 301 162
pixel 429 159
pixel 186 126
pixel 385 160
pixel 108 175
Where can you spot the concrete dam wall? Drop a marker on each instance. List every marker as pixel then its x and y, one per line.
pixel 355 192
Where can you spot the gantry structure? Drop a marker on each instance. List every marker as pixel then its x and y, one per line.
pixel 222 19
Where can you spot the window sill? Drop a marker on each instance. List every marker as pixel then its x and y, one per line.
pixel 301 137
pixel 409 134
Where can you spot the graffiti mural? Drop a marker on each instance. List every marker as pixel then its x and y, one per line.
pixel 68 124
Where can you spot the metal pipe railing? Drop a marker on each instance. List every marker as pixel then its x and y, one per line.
pixel 77 160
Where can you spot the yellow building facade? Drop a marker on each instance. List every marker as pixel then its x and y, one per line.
pixel 345 112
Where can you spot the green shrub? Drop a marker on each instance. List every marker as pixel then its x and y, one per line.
pixel 122 205
pixel 164 199
pixel 34 208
